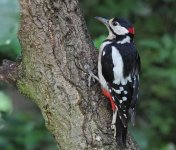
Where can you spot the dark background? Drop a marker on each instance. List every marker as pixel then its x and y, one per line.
pixel 21 124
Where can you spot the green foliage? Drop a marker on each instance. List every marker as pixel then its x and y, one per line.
pixel 157 89
pixel 98 41
pixel 5 104
pixel 23 132
pixel 155 23
pixel 9 18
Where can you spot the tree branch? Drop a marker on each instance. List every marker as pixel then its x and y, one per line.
pixel 9 71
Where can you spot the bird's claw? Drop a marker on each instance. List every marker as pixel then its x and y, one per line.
pixel 113 127
pixel 91 76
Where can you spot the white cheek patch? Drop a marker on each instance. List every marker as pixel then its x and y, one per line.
pixel 119 30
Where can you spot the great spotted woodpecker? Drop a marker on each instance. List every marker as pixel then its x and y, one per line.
pixel 118 74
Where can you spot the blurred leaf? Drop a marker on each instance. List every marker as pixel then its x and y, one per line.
pixel 12 50
pixel 143 9
pixel 98 41
pixel 29 134
pixel 9 20
pixel 140 136
pixel 5 104
pixel 167 42
pixel 169 146
pixel 150 43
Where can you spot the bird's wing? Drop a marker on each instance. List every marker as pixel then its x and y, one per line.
pixel 121 94
pixel 135 83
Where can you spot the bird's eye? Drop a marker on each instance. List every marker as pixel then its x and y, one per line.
pixel 114 23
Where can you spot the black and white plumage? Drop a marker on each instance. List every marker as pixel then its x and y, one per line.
pixel 118 72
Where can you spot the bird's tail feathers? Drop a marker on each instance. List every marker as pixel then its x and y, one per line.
pixel 132 114
pixel 121 132
pixel 123 117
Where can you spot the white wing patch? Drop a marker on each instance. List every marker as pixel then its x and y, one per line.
pixel 124 98
pixel 125 92
pixel 118 65
pixel 121 88
pixel 117 91
pixel 118 68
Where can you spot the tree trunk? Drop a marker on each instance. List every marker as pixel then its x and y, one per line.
pixel 56 53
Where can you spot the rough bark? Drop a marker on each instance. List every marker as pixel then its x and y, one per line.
pixel 56 53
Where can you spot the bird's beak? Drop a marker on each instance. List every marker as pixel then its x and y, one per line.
pixel 103 20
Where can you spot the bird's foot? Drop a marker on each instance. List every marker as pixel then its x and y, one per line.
pixel 114 117
pixel 113 127
pixel 92 76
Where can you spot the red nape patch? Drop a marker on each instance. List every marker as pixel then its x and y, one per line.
pixel 108 95
pixel 131 30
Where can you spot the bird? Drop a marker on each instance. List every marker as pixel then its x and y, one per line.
pixel 118 74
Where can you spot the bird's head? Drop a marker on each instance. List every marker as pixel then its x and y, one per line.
pixel 117 27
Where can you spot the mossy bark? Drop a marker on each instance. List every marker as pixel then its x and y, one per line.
pixel 56 53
